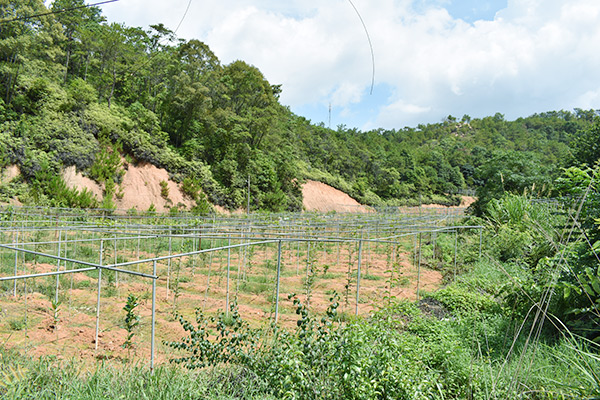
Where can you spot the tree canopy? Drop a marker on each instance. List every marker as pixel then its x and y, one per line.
pixel 70 83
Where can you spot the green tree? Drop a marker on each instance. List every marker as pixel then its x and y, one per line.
pixel 510 172
pixel 586 144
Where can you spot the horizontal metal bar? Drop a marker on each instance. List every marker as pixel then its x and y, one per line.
pixel 70 271
pixel 111 268
pixel 189 254
pixel 37 253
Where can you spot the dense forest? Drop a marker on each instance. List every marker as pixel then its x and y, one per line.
pixel 520 296
pixel 76 90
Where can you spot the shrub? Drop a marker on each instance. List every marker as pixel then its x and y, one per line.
pixel 164 190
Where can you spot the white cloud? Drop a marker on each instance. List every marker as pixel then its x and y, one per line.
pixel 535 55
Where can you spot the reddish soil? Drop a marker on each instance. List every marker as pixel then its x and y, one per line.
pixel 9 173
pixel 140 188
pixel 317 196
pixel 76 180
pixel 197 284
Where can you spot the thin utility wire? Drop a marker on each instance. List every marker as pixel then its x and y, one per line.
pixel 183 17
pixel 133 71
pixel 56 11
pixel 370 45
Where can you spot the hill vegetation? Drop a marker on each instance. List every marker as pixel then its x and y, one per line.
pixel 76 90
pixel 519 316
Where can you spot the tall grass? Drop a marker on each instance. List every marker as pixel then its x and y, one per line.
pixel 48 378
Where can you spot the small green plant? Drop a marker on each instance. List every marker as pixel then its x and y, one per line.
pixel 191 188
pixel 55 309
pixel 235 341
pixel 132 319
pixel 17 324
pixel 151 211
pixel 164 190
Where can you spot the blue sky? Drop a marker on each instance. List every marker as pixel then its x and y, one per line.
pixel 473 10
pixel 433 58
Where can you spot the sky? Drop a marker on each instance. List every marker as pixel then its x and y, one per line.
pixel 432 58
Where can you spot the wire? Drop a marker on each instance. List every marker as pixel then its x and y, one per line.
pixel 55 11
pixel 182 18
pixel 370 45
pixel 133 71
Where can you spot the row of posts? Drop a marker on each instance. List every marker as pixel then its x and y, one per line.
pixel 154 277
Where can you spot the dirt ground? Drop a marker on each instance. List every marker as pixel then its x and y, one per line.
pixel 67 331
pixel 317 196
pixel 141 188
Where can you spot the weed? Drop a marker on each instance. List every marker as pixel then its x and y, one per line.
pixel 17 324
pixel 164 190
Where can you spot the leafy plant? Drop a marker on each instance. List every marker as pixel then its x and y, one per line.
pixel 17 324
pixel 164 190
pixel 235 341
pixel 132 319
pixel 55 308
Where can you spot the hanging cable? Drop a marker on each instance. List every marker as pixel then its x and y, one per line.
pixel 55 11
pixel 370 45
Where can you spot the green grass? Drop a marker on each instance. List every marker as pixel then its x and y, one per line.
pixel 47 378
pixel 17 324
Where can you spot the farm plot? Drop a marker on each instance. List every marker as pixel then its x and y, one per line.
pixel 76 273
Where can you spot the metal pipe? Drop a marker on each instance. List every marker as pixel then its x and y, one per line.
pixel 58 266
pixel 98 300
pixel 358 275
pixel 228 274
pixel 16 270
pixel 41 274
pixel 455 252
pixel 153 324
pixel 278 279
pixel 419 269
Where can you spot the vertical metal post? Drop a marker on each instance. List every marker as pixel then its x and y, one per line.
pixel 298 260
pixel 58 266
pixel 169 264
pixel 195 256
pixel 360 242
pixel 455 252
pixel 16 261
pixel 115 258
pixel 415 251
pixel 153 326
pixel 239 272
pixel 419 269
pixel 338 246
pixel 434 240
pixel 98 300
pixel 480 242
pixel 278 278
pixel 228 274
pixel 307 271
pixel 138 246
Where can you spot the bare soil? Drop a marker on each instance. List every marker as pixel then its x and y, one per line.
pixel 141 188
pixel 75 179
pixel 318 196
pixel 199 284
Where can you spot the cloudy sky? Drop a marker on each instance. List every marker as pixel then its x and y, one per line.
pixel 433 58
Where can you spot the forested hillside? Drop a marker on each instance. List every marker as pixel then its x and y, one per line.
pixel 76 90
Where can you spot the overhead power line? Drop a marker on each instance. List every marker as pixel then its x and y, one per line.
pixel 55 12
pixel 370 45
